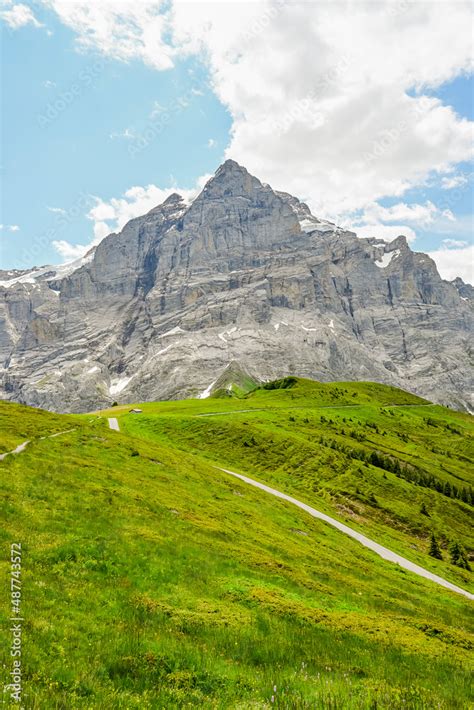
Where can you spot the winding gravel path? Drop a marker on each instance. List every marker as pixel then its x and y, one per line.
pixel 18 450
pixel 316 408
pixel 383 552
pixel 22 447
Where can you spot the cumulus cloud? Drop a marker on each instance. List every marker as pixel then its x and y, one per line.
pixel 414 213
pixel 448 183
pixel 10 227
pixel 335 112
pixel 19 15
pixel 56 210
pixel 388 232
pixel 135 201
pixel 453 262
pixel 68 251
pixel 123 31
pixel 326 102
pixel 377 221
pixel 453 243
pixel 331 114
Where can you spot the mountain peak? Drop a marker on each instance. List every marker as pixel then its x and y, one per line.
pixel 174 198
pixel 230 166
pixel 231 180
pixel 172 204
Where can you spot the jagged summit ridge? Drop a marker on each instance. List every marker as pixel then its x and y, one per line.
pixel 243 274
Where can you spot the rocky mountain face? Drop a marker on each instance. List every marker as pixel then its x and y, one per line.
pixel 243 275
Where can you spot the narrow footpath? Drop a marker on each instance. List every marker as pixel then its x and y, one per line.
pixel 383 552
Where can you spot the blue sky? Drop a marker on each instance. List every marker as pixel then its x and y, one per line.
pixel 63 141
pixel 76 108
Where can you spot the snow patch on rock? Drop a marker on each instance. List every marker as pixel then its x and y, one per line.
pixel 226 332
pixel 118 384
pixel 49 273
pixel 173 331
pixel 386 259
pixel 163 350
pixel 207 392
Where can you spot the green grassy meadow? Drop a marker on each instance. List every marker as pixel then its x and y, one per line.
pixel 152 580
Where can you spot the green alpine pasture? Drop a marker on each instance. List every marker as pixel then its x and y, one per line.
pixel 150 579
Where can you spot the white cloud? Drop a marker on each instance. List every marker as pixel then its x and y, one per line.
pixel 127 133
pixel 18 16
pixel 326 102
pixel 48 84
pixel 10 227
pixel 374 218
pixel 136 201
pixel 388 232
pixel 157 108
pixel 416 213
pixel 56 210
pixel 448 183
pixel 211 143
pixel 68 251
pixel 123 31
pixel 453 243
pixel 111 216
pixel 455 262
pixel 320 94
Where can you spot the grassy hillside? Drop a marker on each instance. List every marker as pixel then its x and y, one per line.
pixel 152 580
pixel 375 455
pixel 18 424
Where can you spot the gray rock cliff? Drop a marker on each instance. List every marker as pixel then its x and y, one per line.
pixel 242 275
